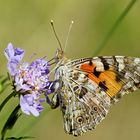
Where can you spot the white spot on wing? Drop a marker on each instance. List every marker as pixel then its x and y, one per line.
pixel 127 75
pixel 92 86
pixel 121 65
pixel 137 60
pixel 99 66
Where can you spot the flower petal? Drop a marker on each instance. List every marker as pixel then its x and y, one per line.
pixel 24 106
pixel 9 51
pixel 19 53
pixel 14 57
pixel 34 111
pixel 28 105
pixel 13 54
pixel 11 65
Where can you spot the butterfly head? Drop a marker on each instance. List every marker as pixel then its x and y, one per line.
pixel 59 54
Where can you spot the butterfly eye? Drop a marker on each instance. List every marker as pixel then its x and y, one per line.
pixel 80 119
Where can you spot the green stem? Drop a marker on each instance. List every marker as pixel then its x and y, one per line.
pixel 114 27
pixel 7 99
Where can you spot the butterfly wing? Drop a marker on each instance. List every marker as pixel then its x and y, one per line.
pixel 91 85
pixel 82 108
pixel 116 75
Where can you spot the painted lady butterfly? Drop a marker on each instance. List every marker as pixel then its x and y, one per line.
pixel 86 88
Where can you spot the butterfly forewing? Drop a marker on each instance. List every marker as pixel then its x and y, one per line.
pixel 116 75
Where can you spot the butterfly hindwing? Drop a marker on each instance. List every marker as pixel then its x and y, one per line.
pixel 82 108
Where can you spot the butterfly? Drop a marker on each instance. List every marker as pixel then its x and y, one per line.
pixel 85 88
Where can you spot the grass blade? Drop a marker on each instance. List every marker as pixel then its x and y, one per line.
pixel 10 121
pixel 114 27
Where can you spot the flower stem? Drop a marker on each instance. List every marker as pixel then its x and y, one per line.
pixel 114 27
pixel 7 99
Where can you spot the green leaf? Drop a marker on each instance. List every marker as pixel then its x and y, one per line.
pixel 10 121
pixel 19 138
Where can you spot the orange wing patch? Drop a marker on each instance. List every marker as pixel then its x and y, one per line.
pixel 105 79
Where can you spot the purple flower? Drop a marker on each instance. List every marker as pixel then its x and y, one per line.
pixel 30 80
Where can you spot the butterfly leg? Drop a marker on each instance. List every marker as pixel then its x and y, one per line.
pixel 54 102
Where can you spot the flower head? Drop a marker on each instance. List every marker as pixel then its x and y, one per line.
pixel 32 77
pixel 30 80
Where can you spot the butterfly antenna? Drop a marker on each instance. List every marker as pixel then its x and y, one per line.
pixel 56 35
pixel 68 35
pixel 33 55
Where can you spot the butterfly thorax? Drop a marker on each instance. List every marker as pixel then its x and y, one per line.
pixel 61 68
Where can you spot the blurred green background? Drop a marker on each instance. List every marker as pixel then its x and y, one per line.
pixel 26 23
